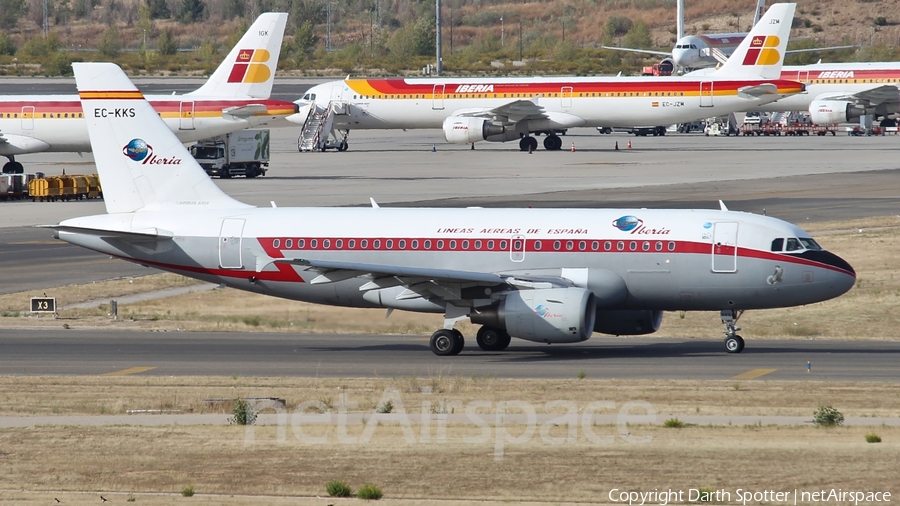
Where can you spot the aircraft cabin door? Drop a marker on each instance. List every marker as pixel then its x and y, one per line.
pixel 565 95
pixel 724 247
pixel 186 115
pixel 27 117
pixel 517 248
pixel 803 76
pixel 230 243
pixel 437 100
pixel 706 94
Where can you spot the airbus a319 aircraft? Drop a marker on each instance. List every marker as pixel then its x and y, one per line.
pixel 543 275
pixel 505 109
pixel 234 98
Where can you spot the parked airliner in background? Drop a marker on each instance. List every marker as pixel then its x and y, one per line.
pixel 234 98
pixel 840 92
pixel 543 275
pixel 707 50
pixel 504 109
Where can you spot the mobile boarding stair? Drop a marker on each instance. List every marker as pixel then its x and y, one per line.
pixel 318 133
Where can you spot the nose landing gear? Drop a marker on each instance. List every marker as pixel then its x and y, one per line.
pixel 733 342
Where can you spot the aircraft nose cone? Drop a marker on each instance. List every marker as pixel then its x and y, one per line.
pixel 843 276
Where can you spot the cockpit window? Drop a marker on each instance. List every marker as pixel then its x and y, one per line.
pixel 793 244
pixel 312 96
pixel 306 97
pixel 778 244
pixel 693 46
pixel 809 243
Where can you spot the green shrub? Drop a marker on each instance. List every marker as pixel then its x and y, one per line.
pixel 582 374
pixel 188 491
pixel 387 407
pixel 369 491
pixel 674 423
pixel 828 416
pixel 242 413
pixel 338 488
pixel 873 438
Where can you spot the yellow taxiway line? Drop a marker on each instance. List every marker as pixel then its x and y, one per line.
pixel 753 374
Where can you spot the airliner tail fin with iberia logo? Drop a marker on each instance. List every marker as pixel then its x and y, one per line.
pixel 761 54
pixel 249 69
pixel 141 163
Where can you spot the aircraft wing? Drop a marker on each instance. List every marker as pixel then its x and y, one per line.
pixel 645 51
pixel 3 140
pixel 509 113
pixel 445 284
pixel 873 97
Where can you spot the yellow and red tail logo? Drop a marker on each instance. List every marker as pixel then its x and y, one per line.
pixel 250 67
pixel 762 51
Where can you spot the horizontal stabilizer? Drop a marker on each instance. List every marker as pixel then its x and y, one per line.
pixel 245 111
pixel 760 90
pixel 143 236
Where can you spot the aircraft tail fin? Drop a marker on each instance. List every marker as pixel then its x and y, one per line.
pixel 249 69
pixel 141 163
pixel 761 54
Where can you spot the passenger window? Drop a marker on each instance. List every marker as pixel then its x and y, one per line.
pixel 339 244
pixel 491 245
pixel 478 245
pixel 301 243
pixel 778 244
pixel 427 244
pixel 402 244
pixel 288 244
pixel 537 245
pixel 376 244
pixel 276 243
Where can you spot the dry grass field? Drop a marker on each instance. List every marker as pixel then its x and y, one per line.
pixel 216 460
pixel 867 312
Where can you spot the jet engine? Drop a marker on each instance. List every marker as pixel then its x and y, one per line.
pixel 625 322
pixel 823 112
pixel 466 129
pixel 552 315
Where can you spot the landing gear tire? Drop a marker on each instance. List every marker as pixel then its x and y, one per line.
pixel 528 143
pixel 552 143
pixel 343 146
pixel 492 339
pixel 13 168
pixel 446 343
pixel 734 344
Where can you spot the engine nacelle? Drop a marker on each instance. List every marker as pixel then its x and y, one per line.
pixel 552 315
pixel 823 112
pixel 466 130
pixel 627 322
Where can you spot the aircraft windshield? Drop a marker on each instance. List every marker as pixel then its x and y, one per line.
pixel 809 243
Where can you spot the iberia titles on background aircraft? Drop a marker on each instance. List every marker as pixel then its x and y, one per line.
pixel 234 98
pixel 505 109
pixel 543 275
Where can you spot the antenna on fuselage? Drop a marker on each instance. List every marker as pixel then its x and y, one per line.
pixel 722 206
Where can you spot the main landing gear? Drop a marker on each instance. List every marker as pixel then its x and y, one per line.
pixel 733 342
pixel 449 342
pixel 12 166
pixel 551 143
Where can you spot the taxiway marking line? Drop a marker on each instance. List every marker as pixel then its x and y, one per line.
pixel 130 370
pixel 753 374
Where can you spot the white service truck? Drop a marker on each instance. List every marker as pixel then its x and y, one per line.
pixel 244 153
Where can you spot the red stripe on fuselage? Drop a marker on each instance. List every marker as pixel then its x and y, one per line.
pixel 656 85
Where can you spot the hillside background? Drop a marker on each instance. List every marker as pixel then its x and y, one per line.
pixel 396 37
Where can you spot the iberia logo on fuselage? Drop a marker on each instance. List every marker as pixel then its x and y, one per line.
pixel 762 51
pixel 634 225
pixel 139 151
pixel 475 88
pixel 250 67
pixel 836 74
